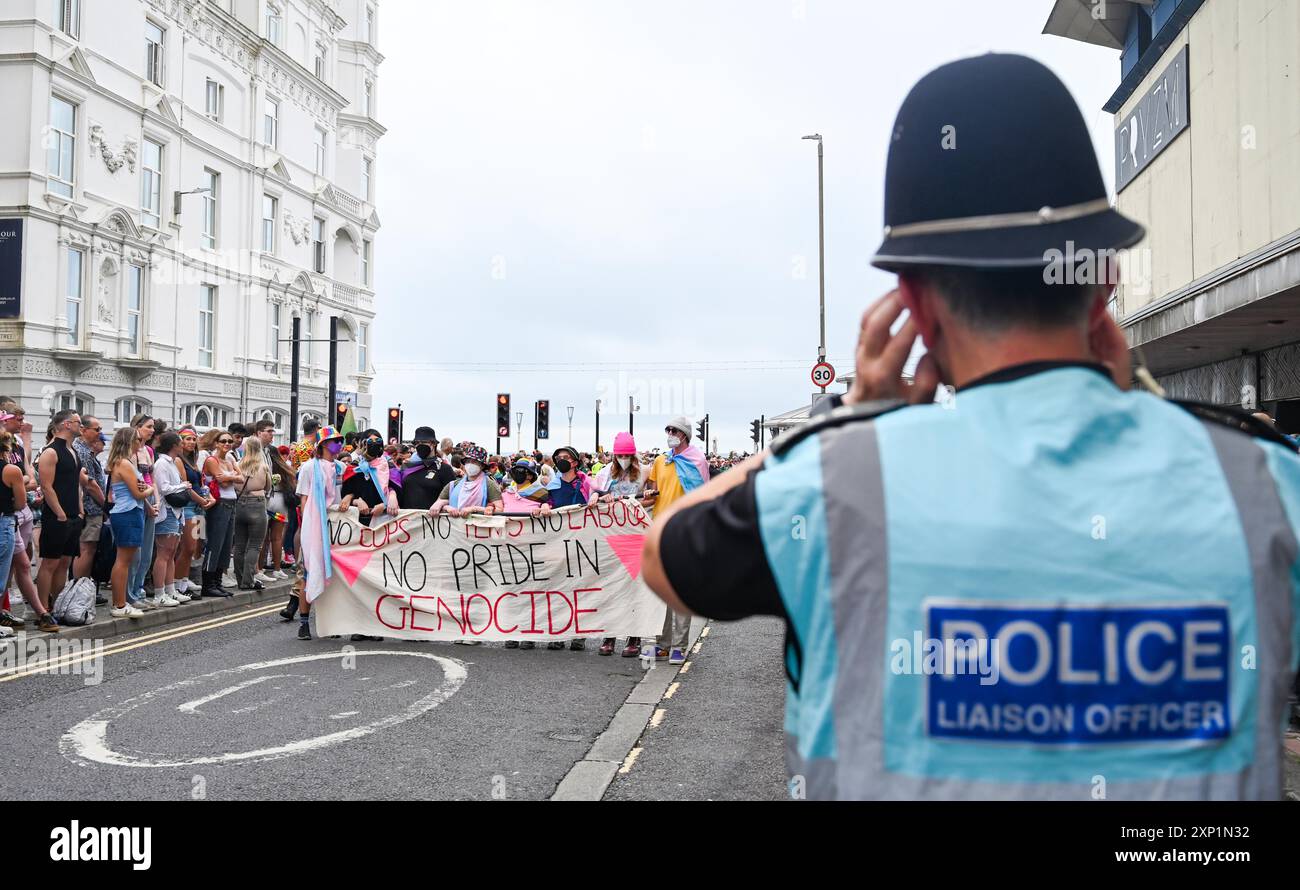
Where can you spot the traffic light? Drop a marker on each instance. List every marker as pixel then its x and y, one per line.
pixel 701 432
pixel 503 415
pixel 394 424
pixel 543 419
pixel 340 414
pixel 754 430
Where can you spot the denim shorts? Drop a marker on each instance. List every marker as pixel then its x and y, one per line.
pixel 128 527
pixel 168 525
pixel 192 511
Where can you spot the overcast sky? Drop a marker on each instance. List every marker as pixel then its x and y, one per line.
pixel 583 199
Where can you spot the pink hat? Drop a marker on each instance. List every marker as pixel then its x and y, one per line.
pixel 624 444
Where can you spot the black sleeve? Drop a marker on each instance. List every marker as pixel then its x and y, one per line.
pixel 361 489
pixel 714 557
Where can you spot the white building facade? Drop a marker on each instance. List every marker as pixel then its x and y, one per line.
pixel 179 180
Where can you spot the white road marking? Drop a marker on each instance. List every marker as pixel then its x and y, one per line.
pixel 192 707
pixel 344 715
pixel 88 740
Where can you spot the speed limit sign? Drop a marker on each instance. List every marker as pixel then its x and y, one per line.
pixel 823 374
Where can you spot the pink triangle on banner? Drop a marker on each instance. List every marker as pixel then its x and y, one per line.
pixel 628 550
pixel 351 562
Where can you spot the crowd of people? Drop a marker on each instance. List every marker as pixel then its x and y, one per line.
pixel 150 508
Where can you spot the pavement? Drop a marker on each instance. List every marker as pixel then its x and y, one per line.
pixel 234 707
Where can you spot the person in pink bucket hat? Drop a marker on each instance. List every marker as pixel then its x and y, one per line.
pixel 622 477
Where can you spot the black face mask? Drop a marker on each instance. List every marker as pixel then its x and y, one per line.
pixel 519 474
pixel 563 465
pixel 424 449
pixel 374 449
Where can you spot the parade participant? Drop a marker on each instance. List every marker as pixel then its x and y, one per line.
pixel 367 482
pixel 568 487
pixel 425 474
pixel 475 492
pixel 318 487
pixel 250 513
pixel 13 495
pixel 220 467
pixel 301 451
pixel 625 477
pixel 525 493
pixel 126 516
pixel 200 501
pixel 62 480
pixel 1045 449
pixel 682 469
pixel 175 491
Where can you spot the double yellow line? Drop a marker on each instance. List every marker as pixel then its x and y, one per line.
pixel 54 664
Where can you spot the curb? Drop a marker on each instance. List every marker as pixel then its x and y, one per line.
pixel 199 608
pixel 590 777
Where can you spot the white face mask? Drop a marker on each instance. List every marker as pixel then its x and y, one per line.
pixel 673 441
pixel 625 462
pixel 472 470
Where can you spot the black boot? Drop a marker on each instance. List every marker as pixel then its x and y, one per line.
pixel 212 585
pixel 290 609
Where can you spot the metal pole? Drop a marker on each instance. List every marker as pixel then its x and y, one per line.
pixel 762 432
pixel 536 414
pixel 629 416
pixel 334 366
pixel 570 439
pixel 519 430
pixel 294 354
pixel 821 252
pixel 597 426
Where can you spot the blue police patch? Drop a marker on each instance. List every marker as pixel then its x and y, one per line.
pixel 1070 675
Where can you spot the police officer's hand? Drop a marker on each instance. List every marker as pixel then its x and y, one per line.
pixel 881 356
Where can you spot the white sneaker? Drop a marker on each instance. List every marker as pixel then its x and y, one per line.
pixel 180 597
pixel 279 574
pixel 6 631
pixel 182 585
pixel 168 601
pixel 127 611
pixel 229 580
pixel 264 578
pixel 142 605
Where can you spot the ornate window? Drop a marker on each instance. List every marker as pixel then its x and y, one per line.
pixel 125 409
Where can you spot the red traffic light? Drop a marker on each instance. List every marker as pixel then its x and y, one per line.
pixel 503 399
pixel 393 412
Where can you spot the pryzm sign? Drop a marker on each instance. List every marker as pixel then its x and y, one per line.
pixel 11 267
pixel 1157 120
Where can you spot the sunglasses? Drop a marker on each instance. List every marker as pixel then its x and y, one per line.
pixel 225 441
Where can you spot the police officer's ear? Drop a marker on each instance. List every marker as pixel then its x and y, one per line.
pixel 921 301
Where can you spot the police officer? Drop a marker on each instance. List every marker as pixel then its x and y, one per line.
pixel 1044 586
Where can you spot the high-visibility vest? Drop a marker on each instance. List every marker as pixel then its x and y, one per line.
pixel 1131 569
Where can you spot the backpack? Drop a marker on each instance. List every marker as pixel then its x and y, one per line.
pixel 105 555
pixel 75 605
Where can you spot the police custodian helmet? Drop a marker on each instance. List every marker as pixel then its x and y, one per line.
pixel 991 166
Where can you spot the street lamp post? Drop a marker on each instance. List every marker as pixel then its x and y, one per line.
pixel 570 439
pixel 519 430
pixel 630 409
pixel 597 426
pixel 821 247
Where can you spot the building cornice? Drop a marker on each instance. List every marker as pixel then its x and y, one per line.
pixel 361 48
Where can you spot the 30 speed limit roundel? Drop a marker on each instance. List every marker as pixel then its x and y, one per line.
pixel 823 374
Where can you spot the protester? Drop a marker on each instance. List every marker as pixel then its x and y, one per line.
pixel 318 486
pixel 127 515
pixel 221 468
pixel 525 493
pixel 568 487
pixel 175 491
pixel 61 476
pixel 475 493
pixel 624 477
pixel 250 513
pixel 681 470
pixel 426 474
pixel 200 501
pixel 368 482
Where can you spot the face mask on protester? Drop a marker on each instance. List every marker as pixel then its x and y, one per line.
pixel 424 449
pixel 520 475
pixel 472 470
pixel 674 441
pixel 563 465
pixel 374 448
pixel 333 447
pixel 625 462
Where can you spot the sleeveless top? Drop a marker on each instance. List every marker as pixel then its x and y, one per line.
pixel 123 500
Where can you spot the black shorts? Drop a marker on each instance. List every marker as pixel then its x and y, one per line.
pixel 60 539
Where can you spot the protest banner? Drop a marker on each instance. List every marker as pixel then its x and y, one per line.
pixel 571 573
